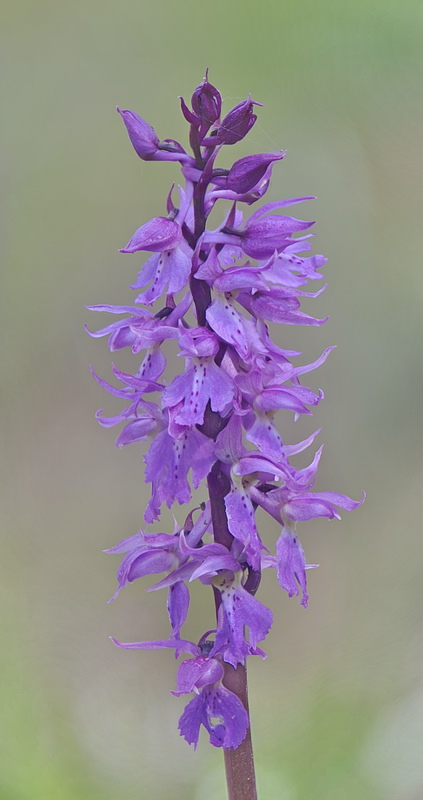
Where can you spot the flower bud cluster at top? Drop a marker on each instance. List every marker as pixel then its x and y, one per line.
pixel 217 307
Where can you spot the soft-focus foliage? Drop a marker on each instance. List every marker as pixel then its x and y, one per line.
pixel 340 86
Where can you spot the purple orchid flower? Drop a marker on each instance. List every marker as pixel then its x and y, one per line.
pixel 263 235
pixel 146 554
pixel 202 382
pixel 238 610
pixel 142 329
pixel 149 554
pixel 290 505
pixel 168 462
pixel 218 709
pixel 214 418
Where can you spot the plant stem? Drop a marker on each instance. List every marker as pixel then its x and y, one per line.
pixel 239 763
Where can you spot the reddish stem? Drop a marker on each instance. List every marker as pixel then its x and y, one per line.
pixel 239 763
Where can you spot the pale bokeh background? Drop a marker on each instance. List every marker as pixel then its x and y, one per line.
pixel 337 707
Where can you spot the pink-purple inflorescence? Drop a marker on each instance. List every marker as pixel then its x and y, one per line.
pixel 216 417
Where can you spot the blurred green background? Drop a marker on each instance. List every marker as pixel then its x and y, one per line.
pixel 337 708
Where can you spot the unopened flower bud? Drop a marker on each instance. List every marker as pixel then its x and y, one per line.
pixel 246 173
pixel 206 103
pixel 143 137
pixel 156 235
pixel 237 123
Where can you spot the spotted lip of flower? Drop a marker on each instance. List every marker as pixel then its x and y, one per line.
pixel 156 235
pixel 168 462
pixel 239 610
pixel 203 380
pixel 233 328
pixel 291 566
pixel 169 268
